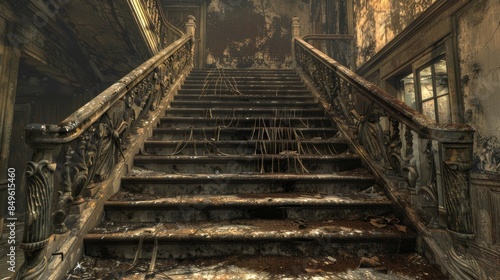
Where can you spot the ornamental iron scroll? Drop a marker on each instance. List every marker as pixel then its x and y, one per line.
pixel 387 130
pixel 86 147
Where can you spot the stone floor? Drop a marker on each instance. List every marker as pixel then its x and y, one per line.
pixel 403 266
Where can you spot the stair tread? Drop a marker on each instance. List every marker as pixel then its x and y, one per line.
pixel 127 200
pixel 222 128
pixel 279 110
pixel 244 102
pixel 240 157
pixel 246 230
pixel 246 96
pixel 250 267
pixel 238 142
pixel 148 175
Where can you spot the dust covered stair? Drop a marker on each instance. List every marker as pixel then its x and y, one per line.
pixel 246 165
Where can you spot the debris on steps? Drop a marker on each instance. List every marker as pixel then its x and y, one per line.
pixel 247 178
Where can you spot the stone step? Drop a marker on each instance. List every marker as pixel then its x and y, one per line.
pixel 242 104
pixel 246 98
pixel 251 74
pixel 238 70
pixel 145 181
pixel 135 208
pixel 345 265
pixel 201 82
pixel 268 91
pixel 254 163
pixel 247 112
pixel 215 85
pixel 243 79
pixel 319 147
pixel 245 122
pixel 242 133
pixel 243 237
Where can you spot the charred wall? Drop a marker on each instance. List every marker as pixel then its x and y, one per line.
pixel 478 44
pixel 378 22
pixel 253 33
pixel 480 79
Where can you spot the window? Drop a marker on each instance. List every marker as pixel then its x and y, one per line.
pixel 427 91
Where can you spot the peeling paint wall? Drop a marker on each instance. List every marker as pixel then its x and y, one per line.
pixel 480 79
pixel 253 33
pixel 379 21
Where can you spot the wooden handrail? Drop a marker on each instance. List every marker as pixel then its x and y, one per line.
pixel 75 124
pixel 425 127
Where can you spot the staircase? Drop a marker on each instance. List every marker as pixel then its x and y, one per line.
pixel 247 171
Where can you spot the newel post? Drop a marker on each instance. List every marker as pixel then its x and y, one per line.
pixel 295 34
pixel 191 30
pixel 456 166
pixel 295 27
pixel 37 231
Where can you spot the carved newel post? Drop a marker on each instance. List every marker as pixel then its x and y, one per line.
pixel 191 30
pixel 37 231
pixel 295 33
pixel 457 165
pixel 295 27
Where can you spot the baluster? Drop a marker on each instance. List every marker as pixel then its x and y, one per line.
pixel 427 199
pixel 395 135
pixel 409 144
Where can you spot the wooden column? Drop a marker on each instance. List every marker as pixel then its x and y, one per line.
pixel 9 66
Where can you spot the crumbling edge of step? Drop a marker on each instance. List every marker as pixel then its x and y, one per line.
pixel 431 243
pixel 65 250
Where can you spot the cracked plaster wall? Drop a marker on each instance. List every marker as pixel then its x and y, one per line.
pixel 379 21
pixel 253 33
pixel 480 79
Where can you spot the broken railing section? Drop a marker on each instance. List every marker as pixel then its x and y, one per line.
pixel 166 32
pixel 401 142
pixel 71 159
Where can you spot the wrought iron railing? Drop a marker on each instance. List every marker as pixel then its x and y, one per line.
pixel 400 144
pixel 74 158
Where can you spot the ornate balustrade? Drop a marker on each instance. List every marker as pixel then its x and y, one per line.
pixel 166 33
pixel 402 145
pixel 74 158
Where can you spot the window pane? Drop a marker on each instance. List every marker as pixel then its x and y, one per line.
pixel 441 77
pixel 444 111
pixel 428 109
pixel 426 89
pixel 408 90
